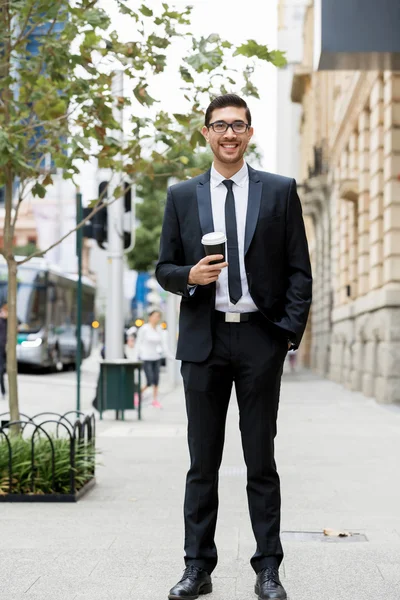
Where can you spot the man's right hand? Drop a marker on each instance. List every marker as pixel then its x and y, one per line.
pixel 203 273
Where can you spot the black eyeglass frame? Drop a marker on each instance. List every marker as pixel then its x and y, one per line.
pixel 229 125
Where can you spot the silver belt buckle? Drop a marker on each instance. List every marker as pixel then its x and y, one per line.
pixel 231 317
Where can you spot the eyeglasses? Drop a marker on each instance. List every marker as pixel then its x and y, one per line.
pixel 222 127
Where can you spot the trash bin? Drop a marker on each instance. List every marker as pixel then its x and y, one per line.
pixel 120 379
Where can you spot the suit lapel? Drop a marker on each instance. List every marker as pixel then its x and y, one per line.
pixel 204 204
pixel 253 207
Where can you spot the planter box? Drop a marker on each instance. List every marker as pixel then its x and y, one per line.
pixel 75 448
pixel 50 497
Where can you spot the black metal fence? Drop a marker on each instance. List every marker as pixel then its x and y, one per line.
pixel 66 467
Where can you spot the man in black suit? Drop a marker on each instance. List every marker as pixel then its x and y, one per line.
pixel 237 320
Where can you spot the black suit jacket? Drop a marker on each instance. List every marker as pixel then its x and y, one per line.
pixel 276 258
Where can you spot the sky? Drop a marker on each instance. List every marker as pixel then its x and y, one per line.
pixel 235 21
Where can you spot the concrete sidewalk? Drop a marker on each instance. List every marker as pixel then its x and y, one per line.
pixel 338 455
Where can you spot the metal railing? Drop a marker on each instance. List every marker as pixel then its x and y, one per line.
pixel 64 479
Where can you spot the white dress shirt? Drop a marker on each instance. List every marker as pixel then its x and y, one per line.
pixel 218 197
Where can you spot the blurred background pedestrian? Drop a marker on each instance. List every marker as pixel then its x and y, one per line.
pixel 129 346
pixel 151 347
pixel 292 357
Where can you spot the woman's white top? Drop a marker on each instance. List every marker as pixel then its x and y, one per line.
pixel 151 343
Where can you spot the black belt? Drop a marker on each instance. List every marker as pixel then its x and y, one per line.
pixel 236 317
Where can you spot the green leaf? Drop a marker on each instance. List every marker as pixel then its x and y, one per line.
pixel 252 48
pixel 250 90
pixel 278 58
pixel 205 61
pixel 213 38
pixel 184 160
pixel 118 192
pixel 183 120
pixel 158 42
pixel 125 10
pixel 197 139
pixel 142 96
pixel 97 18
pixel 147 12
pixel 186 75
pixel 39 190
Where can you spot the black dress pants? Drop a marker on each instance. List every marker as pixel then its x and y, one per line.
pixel 250 356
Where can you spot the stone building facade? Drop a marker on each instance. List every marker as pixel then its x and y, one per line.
pixel 349 183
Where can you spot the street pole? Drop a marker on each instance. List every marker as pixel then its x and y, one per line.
pixel 115 255
pixel 115 300
pixel 79 243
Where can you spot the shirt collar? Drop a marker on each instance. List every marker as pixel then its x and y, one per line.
pixel 240 178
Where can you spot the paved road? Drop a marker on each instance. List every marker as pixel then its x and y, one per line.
pixel 338 455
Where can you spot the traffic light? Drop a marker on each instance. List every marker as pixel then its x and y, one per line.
pixel 127 215
pixel 99 220
pixel 96 228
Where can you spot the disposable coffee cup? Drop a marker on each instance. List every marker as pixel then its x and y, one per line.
pixel 214 243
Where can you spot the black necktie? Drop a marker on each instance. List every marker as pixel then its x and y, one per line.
pixel 234 282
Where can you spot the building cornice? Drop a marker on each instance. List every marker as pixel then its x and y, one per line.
pixel 301 77
pixel 356 98
pixel 373 301
pixel 348 189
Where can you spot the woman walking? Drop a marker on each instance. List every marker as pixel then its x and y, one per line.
pixel 150 347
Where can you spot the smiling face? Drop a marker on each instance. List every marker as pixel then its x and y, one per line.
pixel 229 147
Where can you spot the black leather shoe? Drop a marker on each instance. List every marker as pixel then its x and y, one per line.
pixel 268 585
pixel 194 583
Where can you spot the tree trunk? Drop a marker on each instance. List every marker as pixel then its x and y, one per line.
pixel 12 341
pixel 12 303
pixel 8 233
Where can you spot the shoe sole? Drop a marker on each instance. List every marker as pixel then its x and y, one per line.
pixel 206 589
pixel 257 593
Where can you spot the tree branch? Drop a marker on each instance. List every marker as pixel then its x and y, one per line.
pixel 99 206
pixel 21 36
pixel 20 200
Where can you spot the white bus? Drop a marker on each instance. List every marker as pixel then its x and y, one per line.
pixel 46 310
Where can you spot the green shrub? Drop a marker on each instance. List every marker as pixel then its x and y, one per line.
pixel 85 458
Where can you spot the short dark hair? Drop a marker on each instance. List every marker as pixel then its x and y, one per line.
pixel 223 102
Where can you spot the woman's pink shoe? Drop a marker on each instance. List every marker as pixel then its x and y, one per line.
pixel 156 404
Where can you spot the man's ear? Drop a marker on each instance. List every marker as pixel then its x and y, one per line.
pixel 251 132
pixel 205 132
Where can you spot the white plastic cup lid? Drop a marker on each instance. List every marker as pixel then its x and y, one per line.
pixel 211 239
